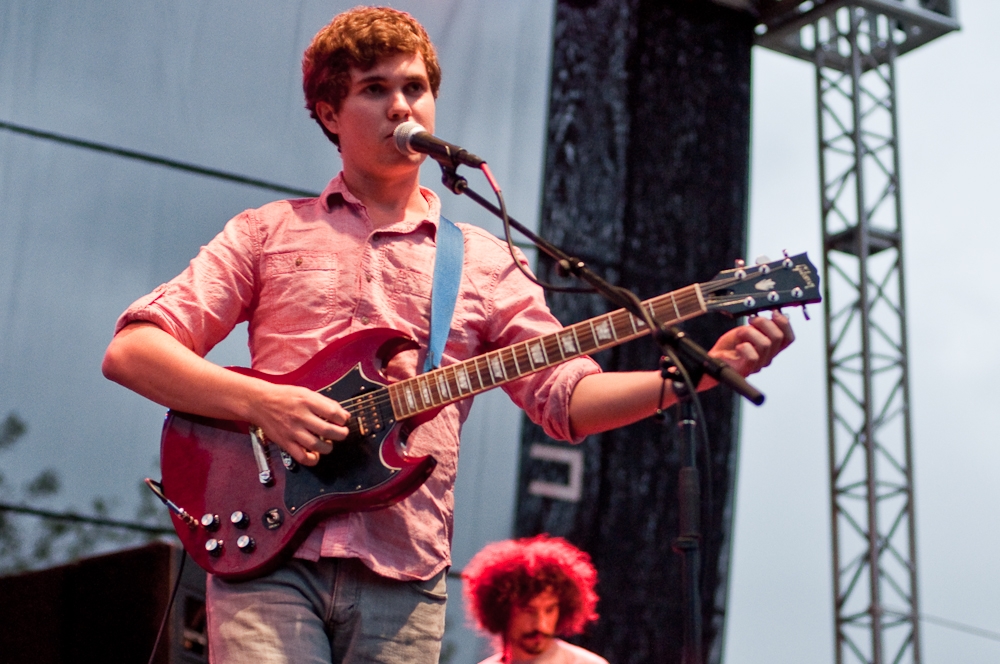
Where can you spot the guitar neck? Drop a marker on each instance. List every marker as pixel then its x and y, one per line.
pixel 455 382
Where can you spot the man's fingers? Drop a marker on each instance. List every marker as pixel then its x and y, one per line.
pixel 334 413
pixel 301 455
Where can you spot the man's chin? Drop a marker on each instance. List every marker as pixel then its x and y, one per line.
pixel 535 646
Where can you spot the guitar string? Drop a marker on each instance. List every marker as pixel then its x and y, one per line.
pixel 382 397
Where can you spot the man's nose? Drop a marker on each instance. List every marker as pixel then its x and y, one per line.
pixel 399 107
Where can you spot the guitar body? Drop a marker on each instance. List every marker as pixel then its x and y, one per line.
pixel 210 469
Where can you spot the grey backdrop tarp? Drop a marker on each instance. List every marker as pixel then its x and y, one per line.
pixel 217 84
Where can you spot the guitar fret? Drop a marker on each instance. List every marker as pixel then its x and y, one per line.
pixel 425 392
pixel 618 321
pixel 537 356
pixel 462 379
pixel 605 331
pixel 552 349
pixel 479 375
pixel 513 355
pixel 578 348
pixel 587 343
pixel 442 387
pixel 677 310
pixel 564 344
pixel 497 369
pixel 564 341
pixel 483 363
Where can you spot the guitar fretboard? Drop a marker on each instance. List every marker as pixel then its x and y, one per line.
pixel 457 381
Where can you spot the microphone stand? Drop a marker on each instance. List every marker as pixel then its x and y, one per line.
pixel 687 359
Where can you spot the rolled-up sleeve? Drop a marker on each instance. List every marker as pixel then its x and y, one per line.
pixel 519 313
pixel 202 304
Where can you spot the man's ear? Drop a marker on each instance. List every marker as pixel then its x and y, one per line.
pixel 328 116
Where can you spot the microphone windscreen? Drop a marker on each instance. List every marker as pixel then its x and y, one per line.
pixel 402 134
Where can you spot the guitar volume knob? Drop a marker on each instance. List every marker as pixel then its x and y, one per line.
pixel 214 547
pixel 210 522
pixel 239 519
pixel 245 543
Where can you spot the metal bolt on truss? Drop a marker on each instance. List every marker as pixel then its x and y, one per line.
pixel 853 46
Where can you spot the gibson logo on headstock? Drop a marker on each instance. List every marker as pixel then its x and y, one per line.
pixel 804 272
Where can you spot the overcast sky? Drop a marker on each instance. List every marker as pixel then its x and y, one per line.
pixel 781 601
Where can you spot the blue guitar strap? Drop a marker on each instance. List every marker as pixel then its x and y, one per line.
pixel 444 289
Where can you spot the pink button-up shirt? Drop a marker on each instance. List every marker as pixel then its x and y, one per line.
pixel 306 272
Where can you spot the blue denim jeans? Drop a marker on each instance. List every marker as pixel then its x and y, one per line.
pixel 331 611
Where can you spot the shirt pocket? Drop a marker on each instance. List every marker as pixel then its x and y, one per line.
pixel 410 293
pixel 298 289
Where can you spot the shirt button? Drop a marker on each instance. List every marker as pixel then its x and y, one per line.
pixel 364 320
pixel 368 277
pixel 298 261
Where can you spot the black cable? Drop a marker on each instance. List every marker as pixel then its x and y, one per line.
pixel 93 520
pixel 159 161
pixel 170 603
pixel 527 273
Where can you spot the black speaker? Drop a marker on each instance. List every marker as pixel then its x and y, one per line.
pixel 106 608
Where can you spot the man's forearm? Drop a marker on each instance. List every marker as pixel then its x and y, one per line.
pixel 151 362
pixel 609 400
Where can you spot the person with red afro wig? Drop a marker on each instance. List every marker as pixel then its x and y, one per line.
pixel 527 592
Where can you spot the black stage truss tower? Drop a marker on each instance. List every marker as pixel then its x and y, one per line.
pixel 853 46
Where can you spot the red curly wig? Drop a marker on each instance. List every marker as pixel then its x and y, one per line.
pixel 509 574
pixel 359 38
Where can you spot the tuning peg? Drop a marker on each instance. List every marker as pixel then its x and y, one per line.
pixel 762 259
pixel 741 273
pixel 787 263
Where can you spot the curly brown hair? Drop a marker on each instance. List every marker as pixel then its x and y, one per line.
pixel 509 574
pixel 359 38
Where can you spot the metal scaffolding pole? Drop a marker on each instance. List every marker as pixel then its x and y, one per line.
pixel 854 46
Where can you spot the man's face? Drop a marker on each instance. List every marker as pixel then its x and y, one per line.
pixel 395 90
pixel 532 626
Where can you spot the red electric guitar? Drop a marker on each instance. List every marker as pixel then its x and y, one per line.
pixel 241 506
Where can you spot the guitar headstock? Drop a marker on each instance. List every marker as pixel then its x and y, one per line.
pixel 790 282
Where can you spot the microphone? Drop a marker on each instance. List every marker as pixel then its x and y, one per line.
pixel 412 138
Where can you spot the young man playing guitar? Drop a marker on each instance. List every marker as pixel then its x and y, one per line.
pixel 363 586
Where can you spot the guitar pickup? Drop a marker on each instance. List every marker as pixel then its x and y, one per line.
pixel 368 417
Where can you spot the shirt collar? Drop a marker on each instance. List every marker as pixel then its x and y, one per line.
pixel 337 188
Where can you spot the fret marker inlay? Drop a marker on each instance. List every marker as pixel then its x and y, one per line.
pixel 443 387
pixel 603 330
pixel 496 368
pixel 462 377
pixel 568 344
pixel 537 353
